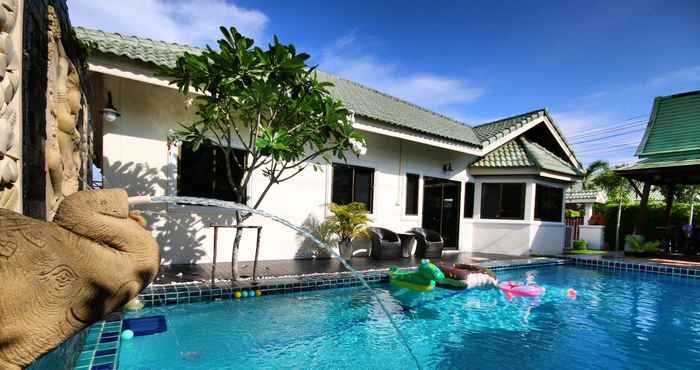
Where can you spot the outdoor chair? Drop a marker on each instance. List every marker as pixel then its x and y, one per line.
pixel 429 243
pixel 385 243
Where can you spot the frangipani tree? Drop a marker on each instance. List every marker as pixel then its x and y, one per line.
pixel 266 101
pixel 618 190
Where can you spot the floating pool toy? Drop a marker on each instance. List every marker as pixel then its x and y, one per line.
pixel 258 293
pixel 465 276
pixel 422 280
pixel 512 289
pixel 251 293
pixel 127 334
pixel 237 294
pixel 571 293
pixel 244 293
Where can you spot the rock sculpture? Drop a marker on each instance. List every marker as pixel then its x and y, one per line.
pixel 58 278
pixel 9 91
pixel 65 133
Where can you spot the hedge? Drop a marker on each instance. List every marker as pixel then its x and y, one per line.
pixel 656 215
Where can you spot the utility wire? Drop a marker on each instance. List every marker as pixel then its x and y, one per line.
pixel 607 137
pixel 605 130
pixel 607 148
pixel 610 125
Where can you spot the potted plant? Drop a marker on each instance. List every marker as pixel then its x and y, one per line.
pixel 348 222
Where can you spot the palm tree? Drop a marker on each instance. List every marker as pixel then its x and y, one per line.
pixel 618 190
pixel 591 171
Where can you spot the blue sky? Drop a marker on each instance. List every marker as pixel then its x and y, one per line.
pixel 596 65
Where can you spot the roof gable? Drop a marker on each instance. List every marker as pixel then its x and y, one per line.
pixel 523 153
pixel 674 126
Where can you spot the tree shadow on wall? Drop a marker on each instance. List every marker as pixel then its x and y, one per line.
pixel 179 234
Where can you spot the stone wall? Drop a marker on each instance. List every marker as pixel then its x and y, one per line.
pixel 45 129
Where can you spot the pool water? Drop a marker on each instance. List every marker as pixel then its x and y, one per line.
pixel 619 320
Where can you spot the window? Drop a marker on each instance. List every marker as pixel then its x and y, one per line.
pixel 353 184
pixel 412 193
pixel 202 173
pixel 548 203
pixel 503 201
pixel 469 200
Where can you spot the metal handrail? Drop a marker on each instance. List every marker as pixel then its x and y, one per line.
pixel 257 249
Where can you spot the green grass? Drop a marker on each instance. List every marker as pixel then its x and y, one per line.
pixel 585 251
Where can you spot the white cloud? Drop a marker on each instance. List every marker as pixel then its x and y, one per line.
pixel 347 60
pixel 684 75
pixel 189 22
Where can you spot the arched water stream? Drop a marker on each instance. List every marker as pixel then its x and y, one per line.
pixel 303 231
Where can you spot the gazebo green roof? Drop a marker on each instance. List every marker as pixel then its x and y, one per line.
pixel 670 148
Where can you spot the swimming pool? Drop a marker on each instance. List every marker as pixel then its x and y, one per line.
pixel 619 320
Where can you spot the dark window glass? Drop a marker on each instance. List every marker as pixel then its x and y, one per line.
pixel 469 200
pixel 548 203
pixel 503 201
pixel 202 173
pixel 412 194
pixel 353 184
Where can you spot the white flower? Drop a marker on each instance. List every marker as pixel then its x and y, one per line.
pixel 358 147
pixel 188 102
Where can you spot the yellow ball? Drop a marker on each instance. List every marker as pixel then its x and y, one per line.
pixel 258 293
pixel 237 294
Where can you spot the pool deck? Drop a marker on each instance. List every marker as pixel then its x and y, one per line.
pixel 302 267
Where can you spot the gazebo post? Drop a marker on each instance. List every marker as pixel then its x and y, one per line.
pixel 669 202
pixel 643 215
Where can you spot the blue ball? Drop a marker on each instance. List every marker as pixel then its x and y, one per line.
pixel 244 293
pixel 127 334
pixel 251 293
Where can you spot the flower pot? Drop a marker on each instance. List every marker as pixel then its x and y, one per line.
pixel 345 249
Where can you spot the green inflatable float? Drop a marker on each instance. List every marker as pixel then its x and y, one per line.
pixel 422 280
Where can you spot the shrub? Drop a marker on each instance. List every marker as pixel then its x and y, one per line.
pixel 636 242
pixel 580 245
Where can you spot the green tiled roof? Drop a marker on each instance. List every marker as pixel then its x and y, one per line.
pixel 362 100
pixel 491 131
pixel 160 53
pixel 522 153
pixel 674 126
pixel 664 161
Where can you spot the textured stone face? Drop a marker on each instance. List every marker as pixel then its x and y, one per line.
pixel 9 104
pixel 58 278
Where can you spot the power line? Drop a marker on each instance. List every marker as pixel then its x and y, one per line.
pixel 604 130
pixel 607 148
pixel 609 125
pixel 608 137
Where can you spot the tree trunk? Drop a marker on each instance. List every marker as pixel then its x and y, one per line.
pixel 617 227
pixel 643 215
pixel 692 209
pixel 235 274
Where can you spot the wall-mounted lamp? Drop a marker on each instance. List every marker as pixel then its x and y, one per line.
pixel 447 167
pixel 110 112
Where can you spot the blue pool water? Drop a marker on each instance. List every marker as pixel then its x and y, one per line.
pixel 620 320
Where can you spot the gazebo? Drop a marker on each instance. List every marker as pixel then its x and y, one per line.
pixel 669 152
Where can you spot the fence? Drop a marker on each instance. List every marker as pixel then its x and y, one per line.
pixel 574 223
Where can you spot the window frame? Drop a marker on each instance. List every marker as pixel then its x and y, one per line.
pixel 416 197
pixel 241 153
pixel 537 209
pixel 469 199
pixel 370 170
pixel 486 185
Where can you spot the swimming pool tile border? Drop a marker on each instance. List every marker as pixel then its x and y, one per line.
pixel 645 267
pixel 100 350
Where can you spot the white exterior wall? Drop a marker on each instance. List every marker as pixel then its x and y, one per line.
pixel 137 158
pixel 516 237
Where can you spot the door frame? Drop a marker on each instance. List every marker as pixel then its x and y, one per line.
pixel 458 214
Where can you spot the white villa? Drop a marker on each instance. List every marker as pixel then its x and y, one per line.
pixel 495 188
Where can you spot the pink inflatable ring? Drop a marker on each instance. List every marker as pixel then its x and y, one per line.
pixel 511 289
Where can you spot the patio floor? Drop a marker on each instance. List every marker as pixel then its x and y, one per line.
pixel 276 268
